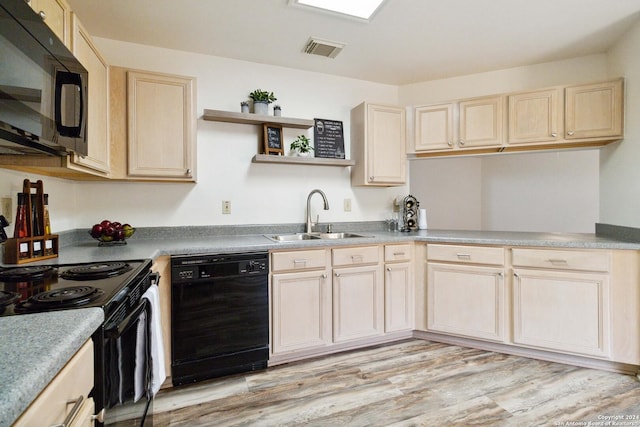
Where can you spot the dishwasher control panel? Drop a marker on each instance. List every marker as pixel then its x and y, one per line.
pixel 198 267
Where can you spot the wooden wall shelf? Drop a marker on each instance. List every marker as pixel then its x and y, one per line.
pixel 255 119
pixel 311 161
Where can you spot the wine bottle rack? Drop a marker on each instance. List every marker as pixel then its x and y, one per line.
pixel 32 248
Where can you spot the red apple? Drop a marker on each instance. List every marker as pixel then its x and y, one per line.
pixel 119 235
pixel 105 223
pixel 109 231
pixel 116 225
pixel 96 231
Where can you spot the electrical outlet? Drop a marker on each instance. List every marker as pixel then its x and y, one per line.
pixel 347 205
pixel 226 207
pixel 6 209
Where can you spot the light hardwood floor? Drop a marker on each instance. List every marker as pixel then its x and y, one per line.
pixel 410 383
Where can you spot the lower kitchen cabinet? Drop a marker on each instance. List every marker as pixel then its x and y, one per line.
pixel 398 288
pixel 301 305
pixel 358 303
pixel 466 291
pixel 466 300
pixel 72 385
pixel 561 300
pixel 563 311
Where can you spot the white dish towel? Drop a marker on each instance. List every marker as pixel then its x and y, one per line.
pixel 158 373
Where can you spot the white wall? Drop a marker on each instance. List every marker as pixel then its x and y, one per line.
pixel 259 193
pixel 620 163
pixel 526 192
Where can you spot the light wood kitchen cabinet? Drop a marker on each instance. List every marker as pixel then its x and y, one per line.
pixel 535 117
pixel 594 110
pixel 358 293
pixel 434 127
pixel 481 122
pixel 56 14
pixel 300 292
pixel 152 126
pixel 398 288
pixel 71 385
pixel 301 304
pixel 378 145
pixel 466 291
pixel 561 300
pixel 97 158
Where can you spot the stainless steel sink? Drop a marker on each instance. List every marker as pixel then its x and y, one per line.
pixel 312 236
pixel 293 237
pixel 339 235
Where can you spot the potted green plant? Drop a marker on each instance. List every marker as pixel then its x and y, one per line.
pixel 261 100
pixel 301 146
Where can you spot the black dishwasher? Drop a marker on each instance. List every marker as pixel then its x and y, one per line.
pixel 219 315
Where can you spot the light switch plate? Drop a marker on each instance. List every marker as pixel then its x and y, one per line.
pixel 6 208
pixel 347 205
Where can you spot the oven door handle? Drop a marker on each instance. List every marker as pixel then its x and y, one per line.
pixel 155 278
pixel 114 331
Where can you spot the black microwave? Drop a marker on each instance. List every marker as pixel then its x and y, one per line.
pixel 43 87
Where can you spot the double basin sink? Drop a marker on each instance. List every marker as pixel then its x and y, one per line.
pixel 312 236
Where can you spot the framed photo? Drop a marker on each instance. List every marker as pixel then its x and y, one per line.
pixel 273 143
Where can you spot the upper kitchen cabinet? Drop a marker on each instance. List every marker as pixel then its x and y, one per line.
pixel 466 124
pixel 57 15
pixel 153 126
pixel 594 111
pixel 434 127
pixel 378 135
pixel 535 116
pixel 97 158
pixel 589 115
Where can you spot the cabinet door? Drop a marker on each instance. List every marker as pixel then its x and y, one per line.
pixel 97 157
pixel 301 311
pixel 386 153
pixel 398 301
pixel 466 300
pixel 358 303
pixel 481 122
pixel 534 117
pixel 562 311
pixel 434 128
pixel 161 126
pixel 594 110
pixel 56 14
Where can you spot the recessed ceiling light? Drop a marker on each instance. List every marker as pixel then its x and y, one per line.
pixel 362 9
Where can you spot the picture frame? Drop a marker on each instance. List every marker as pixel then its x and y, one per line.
pixel 273 141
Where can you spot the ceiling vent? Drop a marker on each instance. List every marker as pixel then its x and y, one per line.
pixel 324 48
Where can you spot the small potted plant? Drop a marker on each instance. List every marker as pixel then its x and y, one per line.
pixel 244 107
pixel 261 101
pixel 277 110
pixel 301 146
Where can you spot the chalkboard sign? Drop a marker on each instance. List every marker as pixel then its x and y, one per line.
pixel 328 139
pixel 273 139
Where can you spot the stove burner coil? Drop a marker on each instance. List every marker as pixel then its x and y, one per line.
pixel 7 298
pixel 96 271
pixel 25 274
pixel 74 296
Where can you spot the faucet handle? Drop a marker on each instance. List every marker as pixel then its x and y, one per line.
pixel 329 228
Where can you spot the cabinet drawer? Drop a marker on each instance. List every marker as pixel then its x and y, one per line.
pixel 466 254
pixel 562 259
pixel 298 260
pixel 75 380
pixel 355 256
pixel 397 253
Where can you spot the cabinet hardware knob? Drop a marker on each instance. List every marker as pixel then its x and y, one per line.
pixel 27 1
pixel 99 416
pixel 42 15
pixel 324 275
pixel 464 256
pixel 450 143
pixel 461 142
pixel 371 179
pixel 554 134
pixel 337 274
pixel 188 173
pixel 501 275
pixel 558 261
pixel 570 133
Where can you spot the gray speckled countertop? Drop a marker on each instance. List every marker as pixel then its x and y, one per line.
pixel 33 348
pixel 139 248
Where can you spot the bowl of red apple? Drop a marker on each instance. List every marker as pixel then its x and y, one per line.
pixel 111 232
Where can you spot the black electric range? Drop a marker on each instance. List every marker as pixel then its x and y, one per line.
pixel 117 287
pixel 38 288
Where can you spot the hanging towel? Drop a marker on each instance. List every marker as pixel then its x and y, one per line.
pixel 158 373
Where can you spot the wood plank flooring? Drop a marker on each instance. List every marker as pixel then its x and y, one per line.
pixel 410 383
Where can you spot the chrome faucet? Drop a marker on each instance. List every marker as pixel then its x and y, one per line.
pixel 310 223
